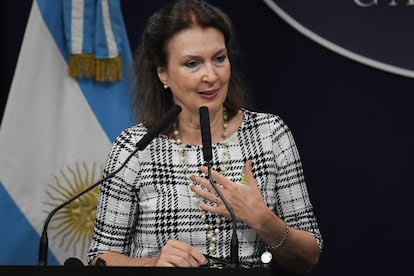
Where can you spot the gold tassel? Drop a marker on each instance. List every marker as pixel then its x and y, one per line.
pixel 108 69
pixel 82 66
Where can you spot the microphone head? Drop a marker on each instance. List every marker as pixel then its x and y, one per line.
pixel 158 127
pixel 72 261
pixel 205 133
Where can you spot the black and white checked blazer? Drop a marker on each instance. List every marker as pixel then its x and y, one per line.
pixel 149 201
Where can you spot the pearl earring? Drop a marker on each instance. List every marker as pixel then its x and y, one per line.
pixel 165 86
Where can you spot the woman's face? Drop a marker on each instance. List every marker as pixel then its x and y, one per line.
pixel 198 70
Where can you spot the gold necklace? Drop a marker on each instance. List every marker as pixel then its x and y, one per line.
pixel 212 229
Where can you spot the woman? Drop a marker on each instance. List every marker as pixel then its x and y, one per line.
pixel 161 210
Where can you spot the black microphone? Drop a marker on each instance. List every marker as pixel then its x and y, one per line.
pixel 208 156
pixel 142 143
pixel 206 134
pixel 162 124
pixel 72 261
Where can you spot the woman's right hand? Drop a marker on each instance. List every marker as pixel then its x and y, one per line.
pixel 173 254
pixel 179 254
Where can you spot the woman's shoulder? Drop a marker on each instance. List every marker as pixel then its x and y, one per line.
pixel 133 133
pixel 263 118
pixel 266 123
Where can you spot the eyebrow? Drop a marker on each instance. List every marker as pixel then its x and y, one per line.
pixel 223 50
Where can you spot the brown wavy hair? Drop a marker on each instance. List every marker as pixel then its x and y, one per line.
pixel 150 100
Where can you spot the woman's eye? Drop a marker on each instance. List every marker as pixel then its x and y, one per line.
pixel 191 64
pixel 221 58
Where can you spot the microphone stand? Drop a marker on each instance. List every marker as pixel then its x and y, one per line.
pixel 208 157
pixel 234 244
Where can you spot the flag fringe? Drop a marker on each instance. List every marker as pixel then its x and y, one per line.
pixel 85 66
pixel 108 69
pixel 82 66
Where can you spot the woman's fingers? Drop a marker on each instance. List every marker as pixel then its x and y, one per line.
pixel 180 254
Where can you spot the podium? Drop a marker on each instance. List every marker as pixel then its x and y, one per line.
pixel 133 271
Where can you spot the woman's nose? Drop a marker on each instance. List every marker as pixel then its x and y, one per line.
pixel 210 73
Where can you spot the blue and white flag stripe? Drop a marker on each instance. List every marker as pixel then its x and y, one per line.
pixel 55 136
pixel 110 47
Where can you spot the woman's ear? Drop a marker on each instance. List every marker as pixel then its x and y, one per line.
pixel 162 75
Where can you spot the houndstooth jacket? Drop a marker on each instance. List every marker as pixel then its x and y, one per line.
pixel 149 201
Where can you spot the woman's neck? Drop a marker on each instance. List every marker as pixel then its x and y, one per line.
pixel 190 133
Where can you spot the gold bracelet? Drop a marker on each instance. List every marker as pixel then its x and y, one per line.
pixel 282 241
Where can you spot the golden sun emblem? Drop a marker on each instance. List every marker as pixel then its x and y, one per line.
pixel 73 224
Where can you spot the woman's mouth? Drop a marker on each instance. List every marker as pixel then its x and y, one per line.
pixel 208 94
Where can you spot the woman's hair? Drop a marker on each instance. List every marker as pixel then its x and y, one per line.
pixel 151 101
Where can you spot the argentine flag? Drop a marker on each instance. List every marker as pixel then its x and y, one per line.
pixel 55 135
